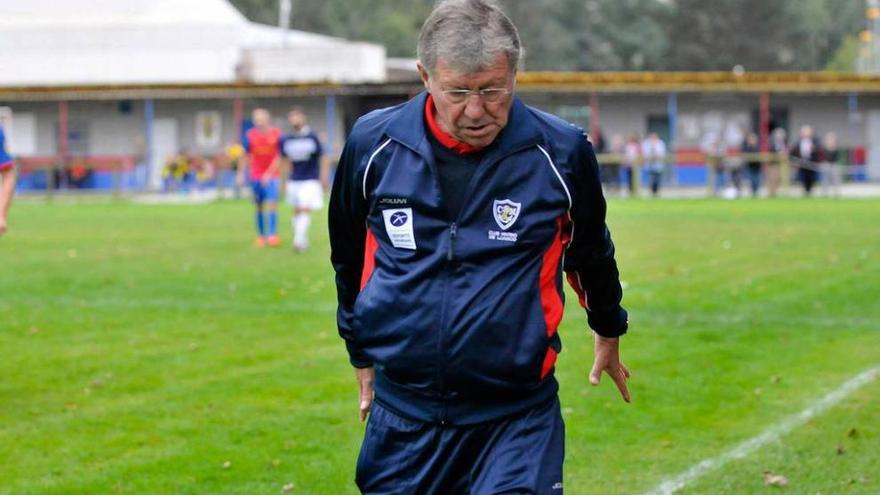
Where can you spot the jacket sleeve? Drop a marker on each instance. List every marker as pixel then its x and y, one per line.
pixel 589 262
pixel 347 223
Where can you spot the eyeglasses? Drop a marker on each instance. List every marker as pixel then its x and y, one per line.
pixel 488 95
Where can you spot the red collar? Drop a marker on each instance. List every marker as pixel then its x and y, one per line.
pixel 445 139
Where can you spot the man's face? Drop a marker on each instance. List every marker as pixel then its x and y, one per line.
pixel 261 118
pixel 296 119
pixel 473 121
pixel 806 132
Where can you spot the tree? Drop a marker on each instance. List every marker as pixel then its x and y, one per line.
pixel 844 60
pixel 760 34
pixel 592 34
pixel 820 28
pixel 393 23
pixel 613 34
pixel 720 34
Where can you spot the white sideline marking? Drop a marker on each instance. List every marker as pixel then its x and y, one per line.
pixel 745 448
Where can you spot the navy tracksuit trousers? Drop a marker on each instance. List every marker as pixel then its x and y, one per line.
pixel 520 454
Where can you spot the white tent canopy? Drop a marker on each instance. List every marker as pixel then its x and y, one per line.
pixel 60 42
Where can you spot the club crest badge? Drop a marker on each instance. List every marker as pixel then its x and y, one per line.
pixel 506 212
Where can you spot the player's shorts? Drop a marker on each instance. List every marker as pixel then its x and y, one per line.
pixel 518 454
pixel 307 194
pixel 7 166
pixel 263 193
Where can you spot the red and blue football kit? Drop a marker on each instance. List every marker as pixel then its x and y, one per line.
pixel 262 149
pixel 6 162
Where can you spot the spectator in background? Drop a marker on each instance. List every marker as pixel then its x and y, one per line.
pixel 733 164
pixel 831 167
pixel 654 155
pixel 600 147
pixel 751 146
pixel 632 157
pixel 7 180
pixel 616 147
pixel 712 145
pixel 807 155
pixel 176 172
pixel 204 172
pixel 598 142
pixel 778 145
pixel 78 173
pixel 234 155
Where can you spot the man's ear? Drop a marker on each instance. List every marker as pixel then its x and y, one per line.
pixel 423 73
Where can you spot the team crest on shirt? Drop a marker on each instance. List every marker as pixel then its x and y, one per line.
pixel 506 212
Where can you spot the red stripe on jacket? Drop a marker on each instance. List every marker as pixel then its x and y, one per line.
pixel 574 281
pixel 575 284
pixel 370 246
pixel 551 301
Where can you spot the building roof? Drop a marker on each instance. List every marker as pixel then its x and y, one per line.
pixel 95 42
pixel 527 82
pixel 42 13
pixel 713 82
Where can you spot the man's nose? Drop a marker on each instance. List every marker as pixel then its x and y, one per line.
pixel 474 108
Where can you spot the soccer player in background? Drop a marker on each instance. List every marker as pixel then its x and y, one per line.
pixel 263 162
pixel 308 175
pixel 7 180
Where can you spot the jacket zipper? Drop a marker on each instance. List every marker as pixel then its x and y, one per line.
pixel 453 231
pixel 450 256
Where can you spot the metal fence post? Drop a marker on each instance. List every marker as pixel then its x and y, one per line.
pixel 50 180
pixel 711 174
pixel 784 171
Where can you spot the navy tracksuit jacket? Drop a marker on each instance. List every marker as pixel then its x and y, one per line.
pixel 459 315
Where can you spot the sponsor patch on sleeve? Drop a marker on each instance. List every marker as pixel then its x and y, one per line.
pixel 399 226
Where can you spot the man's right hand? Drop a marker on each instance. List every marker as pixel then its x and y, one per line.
pixel 2 226
pixel 365 378
pixel 607 359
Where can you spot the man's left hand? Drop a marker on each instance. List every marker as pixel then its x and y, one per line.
pixel 607 359
pixel 365 378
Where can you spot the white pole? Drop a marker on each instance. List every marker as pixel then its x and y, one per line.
pixel 284 7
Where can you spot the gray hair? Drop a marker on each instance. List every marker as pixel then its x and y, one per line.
pixel 468 35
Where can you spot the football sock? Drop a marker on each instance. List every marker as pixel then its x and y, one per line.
pixel 301 229
pixel 273 222
pixel 261 226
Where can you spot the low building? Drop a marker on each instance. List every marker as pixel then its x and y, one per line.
pixel 134 81
pixel 131 82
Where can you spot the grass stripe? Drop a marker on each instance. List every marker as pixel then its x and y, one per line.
pixel 749 446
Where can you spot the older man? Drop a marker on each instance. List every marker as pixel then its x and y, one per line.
pixel 450 217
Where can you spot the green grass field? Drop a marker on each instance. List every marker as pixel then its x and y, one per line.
pixel 151 350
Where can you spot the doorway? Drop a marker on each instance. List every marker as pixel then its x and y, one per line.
pixel 165 144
